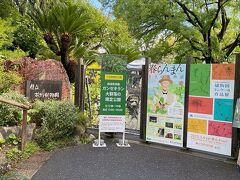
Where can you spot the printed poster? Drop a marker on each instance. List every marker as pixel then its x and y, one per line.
pixel 210 113
pixel 165 103
pixel 236 120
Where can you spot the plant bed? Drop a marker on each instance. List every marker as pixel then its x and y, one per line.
pixel 11 155
pixel 5 131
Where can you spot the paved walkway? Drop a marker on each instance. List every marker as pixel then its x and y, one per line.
pixel 138 162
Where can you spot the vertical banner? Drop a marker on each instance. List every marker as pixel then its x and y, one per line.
pixel 236 120
pixel 113 94
pixel 165 103
pixel 210 114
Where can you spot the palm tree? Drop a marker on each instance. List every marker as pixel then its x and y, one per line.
pixel 119 49
pixel 62 24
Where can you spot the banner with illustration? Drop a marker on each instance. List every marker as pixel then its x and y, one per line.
pixel 236 120
pixel 165 104
pixel 210 112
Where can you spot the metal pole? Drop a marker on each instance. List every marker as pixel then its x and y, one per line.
pixel 186 97
pixel 144 90
pixel 236 96
pixel 99 137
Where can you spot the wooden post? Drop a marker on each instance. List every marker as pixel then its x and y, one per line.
pixel 144 92
pixel 77 85
pixel 24 130
pixel 89 101
pixel 24 107
pixel 187 80
pixel 236 96
pixel 82 88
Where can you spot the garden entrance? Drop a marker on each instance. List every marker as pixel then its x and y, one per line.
pixel 133 100
pixel 188 106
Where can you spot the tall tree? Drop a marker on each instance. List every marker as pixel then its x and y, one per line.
pixel 208 30
pixel 62 24
pixel 75 28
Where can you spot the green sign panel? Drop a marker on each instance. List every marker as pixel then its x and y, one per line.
pixel 113 93
pixel 200 80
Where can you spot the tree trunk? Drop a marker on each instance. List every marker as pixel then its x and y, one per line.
pixel 209 60
pixel 64 58
pixel 69 66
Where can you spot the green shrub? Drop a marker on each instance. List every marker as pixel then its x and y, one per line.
pixel 11 115
pixel 55 120
pixel 30 148
pixel 2 141
pixel 26 38
pixel 13 155
pixel 7 79
pixel 13 139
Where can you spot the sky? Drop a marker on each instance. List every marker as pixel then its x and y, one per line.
pixel 96 3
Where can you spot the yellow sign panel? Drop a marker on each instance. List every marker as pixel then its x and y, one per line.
pixel 114 77
pixel 197 126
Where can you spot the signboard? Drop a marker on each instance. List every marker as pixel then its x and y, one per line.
pixel 44 89
pixel 165 103
pixel 236 120
pixel 210 114
pixel 112 102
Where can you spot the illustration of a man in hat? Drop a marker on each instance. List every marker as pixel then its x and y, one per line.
pixel 164 98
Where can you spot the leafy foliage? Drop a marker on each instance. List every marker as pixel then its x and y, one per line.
pixel 26 38
pixel 13 139
pixel 10 115
pixel 94 93
pixel 8 79
pixel 114 63
pixel 130 52
pixel 7 9
pixel 14 155
pixel 2 142
pixel 77 29
pixel 207 30
pixel 62 24
pixel 7 50
pixel 55 120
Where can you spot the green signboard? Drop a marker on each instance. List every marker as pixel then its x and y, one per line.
pixel 112 103
pixel 113 93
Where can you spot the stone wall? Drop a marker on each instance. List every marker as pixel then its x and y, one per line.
pixel 6 131
pixel 50 69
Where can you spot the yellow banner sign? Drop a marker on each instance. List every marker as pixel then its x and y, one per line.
pixel 113 77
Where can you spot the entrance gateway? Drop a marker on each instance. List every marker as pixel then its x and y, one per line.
pixel 190 106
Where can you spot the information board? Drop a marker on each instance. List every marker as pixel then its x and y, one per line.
pixel 112 102
pixel 211 107
pixel 44 89
pixel 165 103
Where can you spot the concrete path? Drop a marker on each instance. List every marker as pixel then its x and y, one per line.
pixel 140 162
